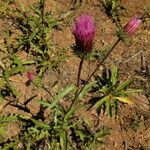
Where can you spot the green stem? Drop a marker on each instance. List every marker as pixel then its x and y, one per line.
pixel 101 62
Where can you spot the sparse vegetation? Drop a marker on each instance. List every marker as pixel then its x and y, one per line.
pixel 52 112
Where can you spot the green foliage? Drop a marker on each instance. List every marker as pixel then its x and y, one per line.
pixel 112 8
pixel 59 123
pixel 36 26
pixel 13 67
pixel 5 10
pixel 62 123
pixel 63 129
pixel 109 90
pixel 33 135
pixel 86 89
pixel 11 145
pixel 57 98
pixel 88 137
pixel 4 122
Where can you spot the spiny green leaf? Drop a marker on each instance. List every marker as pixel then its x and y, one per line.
pixel 130 91
pixel 116 107
pixel 102 133
pixel 58 97
pixel 124 85
pixel 4 119
pixel 71 112
pixel 102 101
pixel 41 124
pixel 114 75
pixel 11 145
pixel 87 88
pixel 109 107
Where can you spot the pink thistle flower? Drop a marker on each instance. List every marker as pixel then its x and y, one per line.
pixel 84 31
pixel 132 25
pixel 30 76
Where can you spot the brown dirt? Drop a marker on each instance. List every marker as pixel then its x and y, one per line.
pixel 126 57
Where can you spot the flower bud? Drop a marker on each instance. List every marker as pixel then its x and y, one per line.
pixel 30 76
pixel 132 26
pixel 84 31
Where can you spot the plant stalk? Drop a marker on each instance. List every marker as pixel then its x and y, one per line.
pixel 79 72
pixel 101 62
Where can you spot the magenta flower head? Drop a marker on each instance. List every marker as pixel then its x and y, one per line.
pixel 84 31
pixel 132 25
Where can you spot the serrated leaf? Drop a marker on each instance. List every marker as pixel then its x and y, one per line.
pixel 124 85
pixel 63 140
pixel 87 88
pixel 71 112
pixel 116 107
pixel 130 91
pixel 109 107
pixel 102 101
pixel 114 75
pixel 41 124
pixel 60 96
pixel 101 133
pixel 4 119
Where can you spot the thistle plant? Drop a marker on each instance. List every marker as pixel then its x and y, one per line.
pixel 129 29
pixel 83 31
pixel 59 123
pixel 109 91
pixel 109 84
